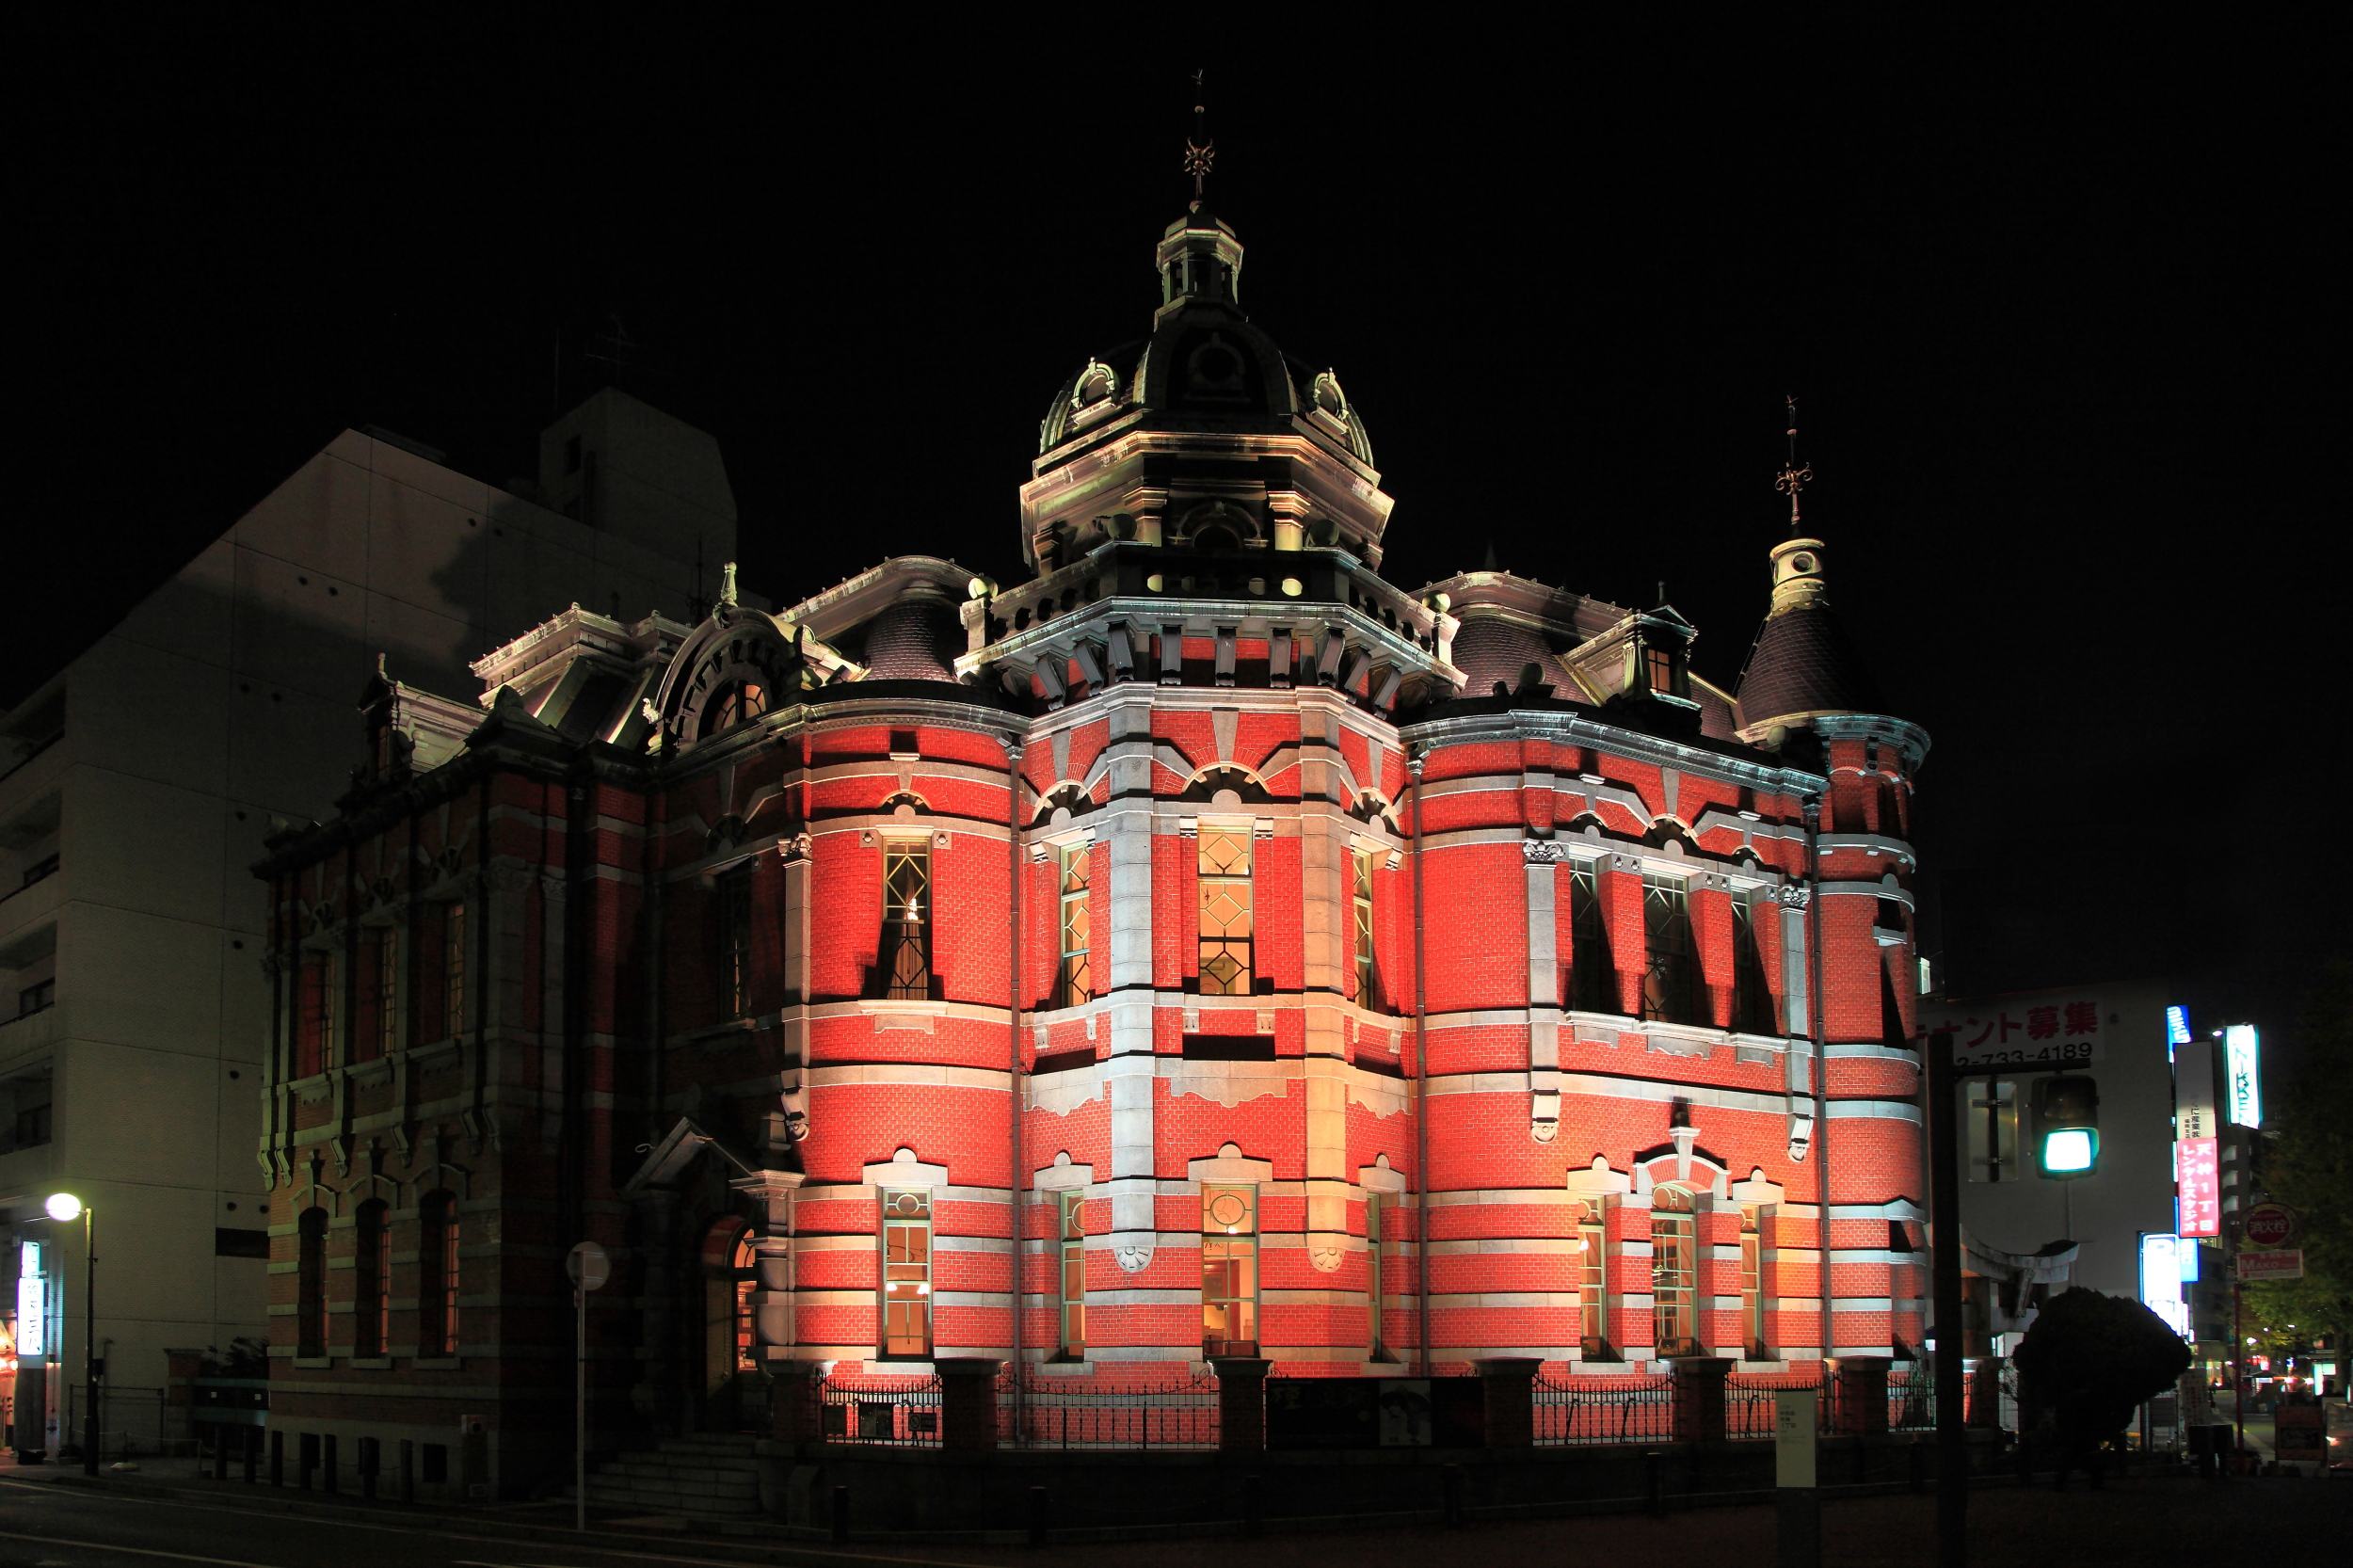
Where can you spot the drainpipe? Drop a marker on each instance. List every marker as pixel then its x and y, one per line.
pixel 1421 1079
pixel 1013 1056
pixel 1821 1062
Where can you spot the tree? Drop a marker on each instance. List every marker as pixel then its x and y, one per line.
pixel 2308 1167
pixel 2089 1360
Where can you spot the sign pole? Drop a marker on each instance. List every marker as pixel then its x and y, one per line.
pixel 1952 1438
pixel 1796 1499
pixel 589 1266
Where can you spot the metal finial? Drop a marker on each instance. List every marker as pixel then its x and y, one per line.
pixel 1792 478
pixel 1199 148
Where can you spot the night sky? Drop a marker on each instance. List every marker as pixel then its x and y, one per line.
pixel 2053 303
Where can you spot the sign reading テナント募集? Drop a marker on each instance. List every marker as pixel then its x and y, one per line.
pixel 2053 1028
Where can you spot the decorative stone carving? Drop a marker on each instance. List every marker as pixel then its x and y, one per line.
pixel 1795 896
pixel 1543 851
pixel 1325 1258
pixel 1133 1256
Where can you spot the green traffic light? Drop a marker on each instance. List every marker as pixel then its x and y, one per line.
pixel 2070 1150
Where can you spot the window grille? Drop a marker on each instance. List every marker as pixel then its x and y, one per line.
pixel 1992 1119
pixel 907 1226
pixel 1753 1010
pixel 1674 1302
pixel 1668 984
pixel 372 1296
pixel 1073 982
pixel 310 1284
pixel 1361 972
pixel 1593 978
pixel 1229 1270
pixel 454 962
pixel 1227 913
pixel 734 897
pixel 1073 1276
pixel 906 933
pixel 439 1275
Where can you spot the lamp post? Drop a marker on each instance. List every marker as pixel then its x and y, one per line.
pixel 65 1208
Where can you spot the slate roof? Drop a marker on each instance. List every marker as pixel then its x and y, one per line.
pixel 1804 662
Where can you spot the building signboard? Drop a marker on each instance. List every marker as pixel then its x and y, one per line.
pixel 2299 1431
pixel 2285 1263
pixel 2243 1087
pixel 2176 1026
pixel 2161 1280
pixel 2268 1225
pixel 2193 1091
pixel 32 1336
pixel 2052 1028
pixel 2198 1165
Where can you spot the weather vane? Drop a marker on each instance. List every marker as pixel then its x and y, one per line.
pixel 1792 478
pixel 1199 148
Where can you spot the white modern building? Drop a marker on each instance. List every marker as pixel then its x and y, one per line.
pixel 136 784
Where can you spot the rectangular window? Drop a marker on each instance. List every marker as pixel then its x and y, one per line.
pixel 734 898
pixel 1753 1010
pixel 1660 664
pixel 438 1276
pixel 1752 1282
pixel 1361 972
pixel 314 1028
pixel 1227 914
pixel 906 1240
pixel 1593 978
pixel 372 1294
pixel 1673 1275
pixel 905 965
pixel 387 993
pixel 310 1284
pixel 1073 982
pixel 330 1004
pixel 1072 1279
pixel 1990 1120
pixel 31 1128
pixel 454 957
pixel 1668 984
pixel 1593 1299
pixel 1376 1297
pixel 1229 1270
pixel 32 998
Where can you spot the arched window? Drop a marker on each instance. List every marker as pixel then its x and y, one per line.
pixel 372 1323
pixel 1673 1272
pixel 310 1285
pixel 733 703
pixel 438 1276
pixel 730 1284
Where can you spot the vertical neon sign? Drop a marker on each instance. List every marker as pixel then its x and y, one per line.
pixel 32 1326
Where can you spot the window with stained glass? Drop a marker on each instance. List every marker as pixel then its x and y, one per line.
pixel 1227 912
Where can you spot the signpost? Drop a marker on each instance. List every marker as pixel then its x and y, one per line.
pixel 2281 1263
pixel 589 1266
pixel 1795 1493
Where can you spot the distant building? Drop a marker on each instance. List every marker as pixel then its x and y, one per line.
pixel 697 946
pixel 139 783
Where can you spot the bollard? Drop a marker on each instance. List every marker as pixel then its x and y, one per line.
pixel 277 1459
pixel 307 1460
pixel 220 1453
pixel 1916 1460
pixel 1253 1505
pixel 326 1462
pixel 1861 1461
pixel 253 1450
pixel 840 1515
pixel 1038 1506
pixel 1655 1482
pixel 1450 1495
pixel 407 1470
pixel 370 1451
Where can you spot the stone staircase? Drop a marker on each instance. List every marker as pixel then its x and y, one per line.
pixel 711 1480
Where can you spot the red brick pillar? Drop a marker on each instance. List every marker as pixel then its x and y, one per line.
pixel 967 1401
pixel 1984 1376
pixel 1860 1387
pixel 1240 1402
pixel 1699 1410
pixel 1508 1384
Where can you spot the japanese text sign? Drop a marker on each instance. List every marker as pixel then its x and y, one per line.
pixel 2197 1165
pixel 2053 1029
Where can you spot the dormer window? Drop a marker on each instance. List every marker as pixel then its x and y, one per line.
pixel 1659 665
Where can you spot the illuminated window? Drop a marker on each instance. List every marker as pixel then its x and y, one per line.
pixel 438 1276
pixel 1072 1279
pixel 1753 1010
pixel 1593 1299
pixel 371 1297
pixel 453 958
pixel 1361 972
pixel 1673 1275
pixel 907 1223
pixel 1989 1118
pixel 1376 1285
pixel 747 1283
pixel 1227 914
pixel 1669 983
pixel 732 704
pixel 310 1284
pixel 906 967
pixel 1593 978
pixel 1660 665
pixel 1229 1270
pixel 733 897
pixel 1752 1282
pixel 1073 982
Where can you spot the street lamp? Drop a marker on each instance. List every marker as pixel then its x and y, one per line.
pixel 64 1208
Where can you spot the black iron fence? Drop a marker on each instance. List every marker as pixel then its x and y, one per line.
pixel 1067 1413
pixel 901 1411
pixel 1578 1412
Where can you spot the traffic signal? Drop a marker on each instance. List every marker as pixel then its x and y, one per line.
pixel 2067 1116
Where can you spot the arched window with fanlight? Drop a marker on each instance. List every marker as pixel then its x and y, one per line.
pixel 1674 1271
pixel 733 704
pixel 731 1306
pixel 907 1269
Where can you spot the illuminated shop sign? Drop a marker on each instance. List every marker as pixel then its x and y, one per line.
pixel 2193 1113
pixel 31 1327
pixel 2176 1030
pixel 2243 1086
pixel 2161 1280
pixel 2197 1163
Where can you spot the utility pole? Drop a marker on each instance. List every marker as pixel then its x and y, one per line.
pixel 1952 1438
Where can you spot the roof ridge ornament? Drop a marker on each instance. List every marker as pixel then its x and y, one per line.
pixel 1200 150
pixel 1792 478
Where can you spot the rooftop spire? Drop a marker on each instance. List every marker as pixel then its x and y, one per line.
pixel 1199 148
pixel 1792 478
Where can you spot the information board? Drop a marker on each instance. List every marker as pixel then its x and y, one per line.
pixel 2048 1030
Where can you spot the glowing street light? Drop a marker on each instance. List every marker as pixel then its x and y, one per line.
pixel 64 1208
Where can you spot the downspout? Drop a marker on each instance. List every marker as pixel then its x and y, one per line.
pixel 1821 1063
pixel 656 895
pixel 1421 1081
pixel 1013 1058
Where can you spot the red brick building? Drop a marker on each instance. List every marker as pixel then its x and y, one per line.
pixel 1339 907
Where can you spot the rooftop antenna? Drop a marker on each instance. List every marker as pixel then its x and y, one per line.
pixel 1199 148
pixel 1792 478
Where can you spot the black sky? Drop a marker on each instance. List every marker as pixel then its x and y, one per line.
pixel 2056 302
